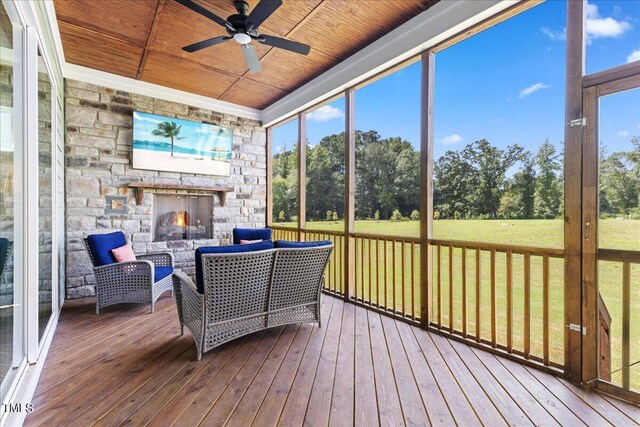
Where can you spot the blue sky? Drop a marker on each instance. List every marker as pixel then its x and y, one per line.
pixel 196 135
pixel 505 84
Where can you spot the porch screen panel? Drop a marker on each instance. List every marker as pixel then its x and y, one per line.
pixel 387 191
pixel 325 165
pixel 498 183
pixel 284 170
pixel 612 34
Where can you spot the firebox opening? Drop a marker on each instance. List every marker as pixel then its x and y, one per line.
pixel 182 217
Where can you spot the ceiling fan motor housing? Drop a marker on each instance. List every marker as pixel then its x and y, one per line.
pixel 242 7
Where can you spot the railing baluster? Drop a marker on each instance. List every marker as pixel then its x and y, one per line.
pixel 509 301
pixel 464 291
pixel 362 268
pixel 493 299
pixel 439 267
pixel 451 288
pixel 355 268
pixel 545 310
pixel 378 273
pixel 402 271
pixel 413 276
pixel 478 328
pixel 370 287
pixel 626 325
pixel 385 276
pixel 527 305
pixel 393 272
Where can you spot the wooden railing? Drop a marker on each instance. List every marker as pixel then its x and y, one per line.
pixel 509 298
pixel 387 274
pixel 621 333
pixel 500 295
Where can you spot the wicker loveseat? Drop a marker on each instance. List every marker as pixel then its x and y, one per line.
pixel 139 281
pixel 241 289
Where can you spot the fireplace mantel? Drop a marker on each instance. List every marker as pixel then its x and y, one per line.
pixel 140 187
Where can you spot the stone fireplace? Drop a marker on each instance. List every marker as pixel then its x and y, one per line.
pixel 182 217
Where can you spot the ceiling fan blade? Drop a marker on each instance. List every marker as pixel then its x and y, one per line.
pixel 251 58
pixel 205 43
pixel 204 12
pixel 290 45
pixel 262 11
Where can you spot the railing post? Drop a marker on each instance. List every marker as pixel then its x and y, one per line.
pixel 302 174
pixel 626 325
pixel 426 187
pixel 269 194
pixel 349 191
pixel 574 367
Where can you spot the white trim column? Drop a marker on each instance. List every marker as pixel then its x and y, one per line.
pixel 30 201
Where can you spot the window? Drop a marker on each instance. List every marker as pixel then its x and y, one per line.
pixel 284 173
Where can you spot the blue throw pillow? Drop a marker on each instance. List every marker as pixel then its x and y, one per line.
pixel 161 272
pixel 286 244
pixel 250 234
pixel 100 246
pixel 229 249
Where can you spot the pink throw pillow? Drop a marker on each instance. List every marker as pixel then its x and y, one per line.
pixel 123 253
pixel 246 242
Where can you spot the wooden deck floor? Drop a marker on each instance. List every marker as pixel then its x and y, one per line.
pixel 127 366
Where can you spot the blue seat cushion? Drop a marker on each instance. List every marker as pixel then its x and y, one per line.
pixel 100 246
pixel 229 249
pixel 250 234
pixel 162 272
pixel 286 244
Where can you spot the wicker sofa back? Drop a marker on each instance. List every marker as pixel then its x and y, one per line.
pixel 250 291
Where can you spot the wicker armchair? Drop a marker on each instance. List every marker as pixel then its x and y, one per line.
pixel 250 291
pixel 139 281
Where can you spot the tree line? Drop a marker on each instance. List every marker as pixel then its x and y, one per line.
pixel 479 181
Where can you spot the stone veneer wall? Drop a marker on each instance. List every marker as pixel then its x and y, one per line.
pixel 98 151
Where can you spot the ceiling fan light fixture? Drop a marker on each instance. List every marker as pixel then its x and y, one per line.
pixel 242 38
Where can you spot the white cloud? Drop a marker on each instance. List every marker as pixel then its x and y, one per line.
pixel 554 35
pixel 451 139
pixel 634 56
pixel 325 113
pixel 623 133
pixel 600 27
pixel 533 88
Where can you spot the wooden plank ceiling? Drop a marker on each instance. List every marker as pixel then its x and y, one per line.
pixel 142 39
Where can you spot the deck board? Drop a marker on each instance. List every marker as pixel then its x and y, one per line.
pixel 128 366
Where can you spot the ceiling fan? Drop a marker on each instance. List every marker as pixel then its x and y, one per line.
pixel 243 27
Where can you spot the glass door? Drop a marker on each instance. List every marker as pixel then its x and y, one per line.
pixel 12 353
pixel 611 236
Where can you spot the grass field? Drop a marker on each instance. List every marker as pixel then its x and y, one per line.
pixel 615 234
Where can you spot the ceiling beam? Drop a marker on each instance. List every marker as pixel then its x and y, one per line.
pixel 152 32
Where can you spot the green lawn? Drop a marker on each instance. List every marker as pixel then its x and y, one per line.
pixel 618 234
